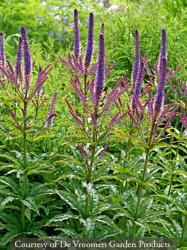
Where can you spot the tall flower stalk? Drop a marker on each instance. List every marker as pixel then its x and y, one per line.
pixel 157 114
pixel 136 65
pixel 90 42
pixel 20 80
pixel 92 127
pixel 100 74
pixel 77 47
pixel 137 78
pixel 2 53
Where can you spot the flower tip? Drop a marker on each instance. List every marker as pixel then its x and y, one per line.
pixel 101 36
pixel 164 31
pixel 101 39
pixel 102 27
pixel 136 32
pixel 1 33
pixel 23 32
pixel 164 34
pixel 75 12
pixel 91 16
pixel 20 40
pixel 22 29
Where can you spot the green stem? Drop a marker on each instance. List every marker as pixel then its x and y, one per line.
pixel 171 183
pixel 85 93
pixel 23 216
pixel 128 142
pixel 173 169
pixel 140 186
pixel 25 136
pixel 90 166
pixel 24 160
pixel 184 229
pixel 139 190
pixel 85 84
pixel 89 171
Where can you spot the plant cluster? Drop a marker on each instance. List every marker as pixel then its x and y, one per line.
pixel 113 165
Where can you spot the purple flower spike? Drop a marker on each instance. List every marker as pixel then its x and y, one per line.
pixel 138 85
pixel 90 42
pixel 100 74
pixel 159 98
pixel 2 54
pixel 163 51
pixel 76 35
pixel 51 114
pixel 19 59
pixel 136 57
pixel 162 71
pixel 27 57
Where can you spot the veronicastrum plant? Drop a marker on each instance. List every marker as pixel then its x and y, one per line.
pixel 140 193
pixel 22 98
pixel 143 215
pixel 88 206
pixel 92 119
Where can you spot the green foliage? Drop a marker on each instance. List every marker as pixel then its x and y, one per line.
pixel 50 197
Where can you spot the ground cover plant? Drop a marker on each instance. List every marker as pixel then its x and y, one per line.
pixel 90 150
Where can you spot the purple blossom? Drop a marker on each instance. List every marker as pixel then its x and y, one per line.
pixel 159 98
pixel 115 94
pixel 51 114
pixel 76 35
pixel 100 74
pixel 27 57
pixel 136 57
pixel 19 59
pixel 170 118
pixel 116 118
pixel 74 64
pixel 138 105
pixel 74 115
pixel 42 77
pixel 90 42
pixel 2 54
pixel 138 85
pixel 163 53
pixel 77 87
pixel 164 113
pixel 78 65
pixel 132 118
pixel 163 50
pixel 10 74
